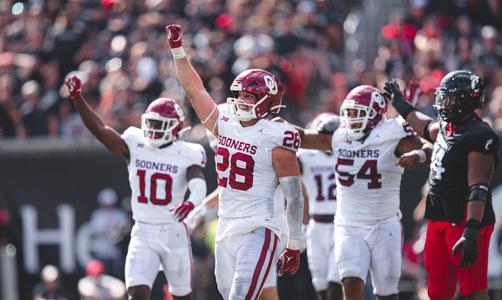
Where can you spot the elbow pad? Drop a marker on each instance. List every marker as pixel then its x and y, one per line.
pixel 198 189
pixel 292 189
pixel 478 192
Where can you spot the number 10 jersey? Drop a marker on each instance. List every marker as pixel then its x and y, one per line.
pixel 158 176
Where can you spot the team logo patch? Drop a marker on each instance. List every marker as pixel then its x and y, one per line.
pixel 271 84
pixel 488 144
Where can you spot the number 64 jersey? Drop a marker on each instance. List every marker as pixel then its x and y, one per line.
pixel 246 175
pixel 368 179
pixel 158 176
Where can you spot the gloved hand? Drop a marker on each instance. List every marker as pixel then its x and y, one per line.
pixel 469 242
pixel 181 210
pixel 289 261
pixel 393 93
pixel 174 35
pixel 74 87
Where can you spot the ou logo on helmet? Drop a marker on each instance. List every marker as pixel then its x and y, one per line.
pixel 377 98
pixel 271 84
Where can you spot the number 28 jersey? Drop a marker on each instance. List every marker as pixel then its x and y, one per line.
pixel 368 179
pixel 158 176
pixel 246 175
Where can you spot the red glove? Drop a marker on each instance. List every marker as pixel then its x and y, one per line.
pixel 74 87
pixel 174 35
pixel 412 93
pixel 181 210
pixel 289 261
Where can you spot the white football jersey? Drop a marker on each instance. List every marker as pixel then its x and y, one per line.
pixel 318 177
pixel 368 179
pixel 246 175
pixel 158 176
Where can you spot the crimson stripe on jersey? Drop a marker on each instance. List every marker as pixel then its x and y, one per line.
pixel 259 265
pixel 272 255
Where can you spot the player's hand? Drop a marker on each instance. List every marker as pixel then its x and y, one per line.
pixel 195 215
pixel 408 160
pixel 392 92
pixel 74 87
pixel 468 242
pixel 181 210
pixel 289 261
pixel 174 34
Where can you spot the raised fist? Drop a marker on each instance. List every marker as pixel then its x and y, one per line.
pixel 181 210
pixel 174 35
pixel 289 261
pixel 74 87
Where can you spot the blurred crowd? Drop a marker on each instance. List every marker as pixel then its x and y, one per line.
pixel 119 49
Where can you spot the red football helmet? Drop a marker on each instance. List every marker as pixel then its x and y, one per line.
pixel 264 86
pixel 162 122
pixel 363 108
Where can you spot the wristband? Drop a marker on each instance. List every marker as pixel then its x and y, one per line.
pixel 422 157
pixel 178 53
pixel 473 224
pixel 294 244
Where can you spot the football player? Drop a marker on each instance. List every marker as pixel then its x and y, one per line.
pixel 458 204
pixel 371 152
pixel 318 176
pixel 253 156
pixel 161 168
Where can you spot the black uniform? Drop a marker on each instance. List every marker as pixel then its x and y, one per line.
pixel 448 186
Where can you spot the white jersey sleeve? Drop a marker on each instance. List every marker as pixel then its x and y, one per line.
pixel 132 136
pixel 196 153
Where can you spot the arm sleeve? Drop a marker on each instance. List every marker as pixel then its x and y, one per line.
pixel 198 155
pixel 291 187
pixel 198 189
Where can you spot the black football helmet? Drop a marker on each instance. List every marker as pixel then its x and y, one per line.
pixel 458 95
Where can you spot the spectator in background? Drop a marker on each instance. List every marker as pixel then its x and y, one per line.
pixel 98 286
pixel 109 224
pixel 36 116
pixel 50 287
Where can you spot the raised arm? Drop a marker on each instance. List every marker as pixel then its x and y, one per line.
pixel 104 133
pixel 421 123
pixel 190 81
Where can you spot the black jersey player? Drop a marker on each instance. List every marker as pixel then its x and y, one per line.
pixel 459 201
